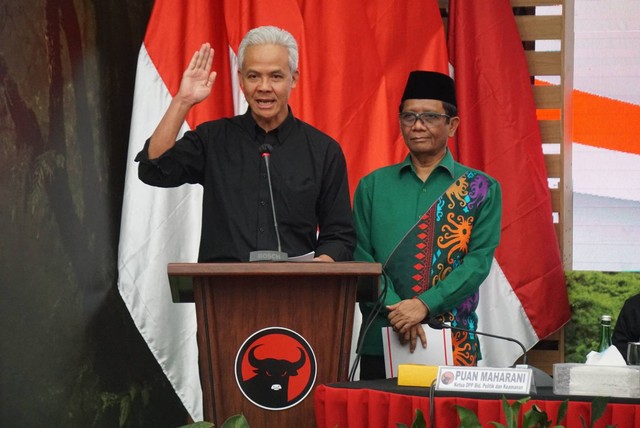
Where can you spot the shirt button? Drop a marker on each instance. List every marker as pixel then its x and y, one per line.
pixel 261 230
pixel 424 190
pixel 263 175
pixel 262 203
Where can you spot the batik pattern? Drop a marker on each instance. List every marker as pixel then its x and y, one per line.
pixel 434 247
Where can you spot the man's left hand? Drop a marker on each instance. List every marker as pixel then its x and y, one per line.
pixel 411 337
pixel 405 314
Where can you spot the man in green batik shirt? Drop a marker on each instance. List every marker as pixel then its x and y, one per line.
pixel 433 223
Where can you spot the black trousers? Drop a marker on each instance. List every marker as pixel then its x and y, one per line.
pixel 372 367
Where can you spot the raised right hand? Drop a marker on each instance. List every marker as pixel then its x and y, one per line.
pixel 197 79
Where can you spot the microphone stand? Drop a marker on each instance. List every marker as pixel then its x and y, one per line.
pixel 495 336
pixel 541 378
pixel 269 255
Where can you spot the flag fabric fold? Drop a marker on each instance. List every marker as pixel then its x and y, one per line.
pixel 525 295
pixel 354 60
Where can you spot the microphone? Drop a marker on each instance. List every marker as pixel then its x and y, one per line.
pixel 440 325
pixel 540 377
pixel 269 255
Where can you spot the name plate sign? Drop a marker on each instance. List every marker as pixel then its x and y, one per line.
pixel 484 379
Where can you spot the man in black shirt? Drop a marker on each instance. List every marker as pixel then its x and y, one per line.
pixel 627 327
pixel 307 167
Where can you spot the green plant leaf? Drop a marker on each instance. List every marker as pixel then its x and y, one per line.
pixel 535 418
pixel 401 425
pixel 125 409
pixel 468 419
pixel 236 421
pixel 200 424
pixel 508 412
pixel 598 407
pixel 418 420
pixel 512 412
pixel 562 411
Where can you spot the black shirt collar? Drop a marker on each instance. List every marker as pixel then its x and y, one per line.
pixel 281 132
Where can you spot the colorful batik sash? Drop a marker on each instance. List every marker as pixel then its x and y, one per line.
pixel 437 245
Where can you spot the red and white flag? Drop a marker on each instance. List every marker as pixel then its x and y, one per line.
pixel 525 295
pixel 354 61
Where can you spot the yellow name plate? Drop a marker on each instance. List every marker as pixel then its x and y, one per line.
pixel 416 375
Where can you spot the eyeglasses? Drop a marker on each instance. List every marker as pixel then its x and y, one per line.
pixel 408 118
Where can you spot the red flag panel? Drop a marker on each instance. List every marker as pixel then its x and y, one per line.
pixel 354 61
pixel 499 134
pixel 174 33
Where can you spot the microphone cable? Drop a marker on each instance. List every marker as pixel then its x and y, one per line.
pixel 432 404
pixel 366 325
pixel 374 313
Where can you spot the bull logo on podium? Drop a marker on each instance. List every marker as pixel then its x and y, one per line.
pixel 275 368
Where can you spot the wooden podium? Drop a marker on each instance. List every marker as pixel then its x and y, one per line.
pixel 257 321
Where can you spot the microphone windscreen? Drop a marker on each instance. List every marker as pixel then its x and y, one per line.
pixel 265 148
pixel 434 323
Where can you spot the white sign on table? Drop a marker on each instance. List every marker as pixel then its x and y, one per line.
pixel 484 379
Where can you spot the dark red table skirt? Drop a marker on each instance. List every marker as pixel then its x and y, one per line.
pixel 368 408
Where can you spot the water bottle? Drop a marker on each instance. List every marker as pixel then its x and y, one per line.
pixel 605 333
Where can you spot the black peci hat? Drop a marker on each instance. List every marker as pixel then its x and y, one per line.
pixel 430 85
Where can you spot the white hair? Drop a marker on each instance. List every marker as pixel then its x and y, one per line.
pixel 269 35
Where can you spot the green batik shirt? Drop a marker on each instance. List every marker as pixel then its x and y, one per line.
pixel 389 202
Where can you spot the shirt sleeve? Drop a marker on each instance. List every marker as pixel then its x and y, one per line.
pixel 336 237
pixel 364 250
pixel 465 280
pixel 183 163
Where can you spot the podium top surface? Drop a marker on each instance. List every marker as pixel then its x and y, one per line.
pixel 274 268
pixel 181 275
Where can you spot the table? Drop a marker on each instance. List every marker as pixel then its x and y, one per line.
pixel 381 403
